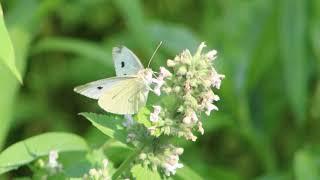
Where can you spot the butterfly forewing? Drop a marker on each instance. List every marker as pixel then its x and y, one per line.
pixel 125 61
pixel 95 89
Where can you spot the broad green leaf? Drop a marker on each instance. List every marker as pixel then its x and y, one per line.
pixel 23 23
pixel 78 47
pixel 306 165
pixel 28 150
pixel 186 173
pixel 293 14
pixel 7 56
pixel 109 125
pixel 144 173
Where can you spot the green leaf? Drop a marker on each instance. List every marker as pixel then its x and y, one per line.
pixel 78 47
pixel 6 49
pixel 293 20
pixel 306 164
pixel 26 151
pixel 186 173
pixel 109 125
pixel 144 173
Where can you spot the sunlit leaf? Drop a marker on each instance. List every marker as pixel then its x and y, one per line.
pixel 186 173
pixel 109 125
pixel 144 173
pixel 7 55
pixel 306 164
pixel 28 150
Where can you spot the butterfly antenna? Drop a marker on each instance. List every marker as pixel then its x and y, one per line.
pixel 154 53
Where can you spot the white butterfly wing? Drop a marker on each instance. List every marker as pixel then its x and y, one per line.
pixel 126 97
pixel 125 61
pixel 96 88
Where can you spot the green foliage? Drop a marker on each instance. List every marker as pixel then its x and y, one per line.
pixel 144 173
pixel 187 173
pixel 306 163
pixel 269 51
pixel 295 62
pixel 26 151
pixel 109 125
pixel 6 49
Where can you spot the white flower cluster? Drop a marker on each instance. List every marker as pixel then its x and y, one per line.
pixel 99 174
pixel 53 166
pixel 190 83
pixel 166 158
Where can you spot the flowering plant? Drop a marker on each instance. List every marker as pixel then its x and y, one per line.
pixel 186 90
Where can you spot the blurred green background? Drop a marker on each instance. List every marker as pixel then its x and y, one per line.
pixel 268 126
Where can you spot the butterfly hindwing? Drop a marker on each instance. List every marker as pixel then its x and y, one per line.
pixel 126 97
pixel 125 61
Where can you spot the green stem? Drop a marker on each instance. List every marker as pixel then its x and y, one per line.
pixel 127 162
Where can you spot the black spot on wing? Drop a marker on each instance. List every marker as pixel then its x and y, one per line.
pixel 122 64
pixel 99 87
pixel 124 74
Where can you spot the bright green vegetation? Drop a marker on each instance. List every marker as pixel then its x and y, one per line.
pixel 269 118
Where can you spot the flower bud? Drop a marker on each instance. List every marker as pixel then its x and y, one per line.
pixel 187 120
pixel 142 156
pixel 179 151
pixel 182 70
pixel 177 89
pixel 211 55
pixel 170 63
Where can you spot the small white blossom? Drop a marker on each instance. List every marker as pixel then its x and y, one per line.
pixel 53 157
pixel 148 76
pixel 178 151
pixel 53 165
pixel 154 117
pixel 190 118
pixel 105 163
pixel 194 116
pixel 158 84
pixel 187 120
pixel 211 107
pixel 171 169
pixel 164 72
pixel 170 63
pixel 99 173
pixel 216 79
pixel 200 128
pixel 211 55
pixel 93 172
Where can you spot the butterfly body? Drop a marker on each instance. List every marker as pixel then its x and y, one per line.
pixel 126 93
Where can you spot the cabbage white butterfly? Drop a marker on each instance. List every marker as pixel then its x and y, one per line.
pixel 126 93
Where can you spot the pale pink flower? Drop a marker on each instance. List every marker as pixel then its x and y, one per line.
pixel 210 107
pixel 164 72
pixel 216 79
pixel 154 117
